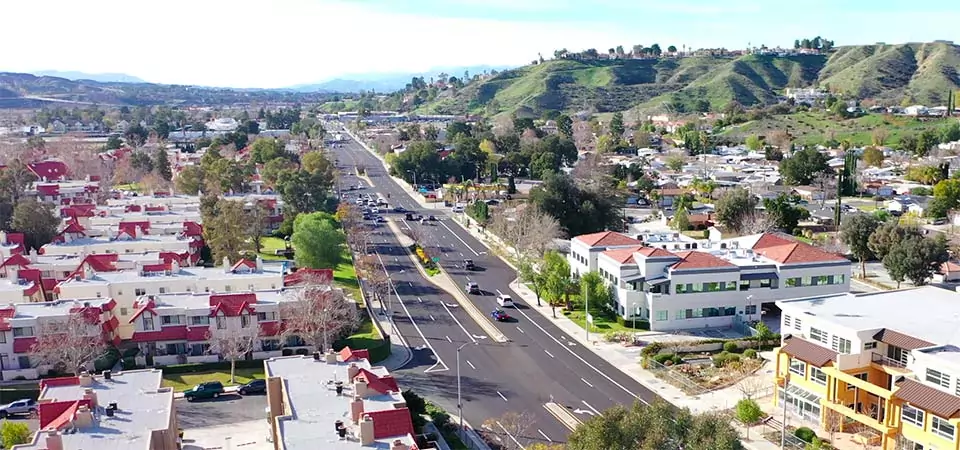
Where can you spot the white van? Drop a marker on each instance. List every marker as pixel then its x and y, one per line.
pixel 504 301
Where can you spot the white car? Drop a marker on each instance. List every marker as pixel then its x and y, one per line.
pixel 504 300
pixel 457 209
pixel 374 210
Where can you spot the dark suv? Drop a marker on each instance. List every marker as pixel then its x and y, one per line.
pixel 468 264
pixel 210 389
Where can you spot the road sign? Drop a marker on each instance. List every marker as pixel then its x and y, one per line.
pixel 436 259
pixel 590 318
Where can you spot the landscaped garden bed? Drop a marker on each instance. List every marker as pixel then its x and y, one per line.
pixel 425 260
pixel 701 372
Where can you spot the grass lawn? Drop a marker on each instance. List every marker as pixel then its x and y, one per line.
pixel 366 337
pixel 345 275
pixel 602 324
pixel 183 381
pixel 268 245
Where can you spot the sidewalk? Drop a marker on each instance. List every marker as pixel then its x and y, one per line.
pixel 400 353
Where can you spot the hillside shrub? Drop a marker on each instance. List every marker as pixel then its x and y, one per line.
pixel 750 353
pixel 730 347
pixel 651 350
pixel 663 358
pixel 805 434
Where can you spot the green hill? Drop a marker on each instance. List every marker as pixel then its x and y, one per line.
pixel 906 73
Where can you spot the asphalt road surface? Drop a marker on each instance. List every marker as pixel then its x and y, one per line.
pixel 540 364
pixel 224 410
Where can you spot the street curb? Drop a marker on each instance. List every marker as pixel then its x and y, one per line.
pixel 560 413
pixel 407 358
pixel 464 302
pixel 471 434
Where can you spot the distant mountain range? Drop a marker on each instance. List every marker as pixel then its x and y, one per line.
pixel 387 82
pixel 101 77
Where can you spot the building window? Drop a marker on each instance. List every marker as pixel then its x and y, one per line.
pixel 3 337
pixel 912 416
pixel 818 335
pixel 264 316
pixel 22 332
pixel 147 322
pixel 798 367
pixel 221 323
pixel 269 345
pixel 859 376
pixel 786 321
pixel 99 294
pixel 199 320
pixel 163 290
pixel 942 428
pixel 794 282
pixel 797 323
pixel 751 309
pixel 140 291
pixel 244 320
pixel 939 378
pixel 869 345
pixel 176 349
pixel 817 376
pixel 841 345
pixel 199 349
pixel 124 311
pixel 24 362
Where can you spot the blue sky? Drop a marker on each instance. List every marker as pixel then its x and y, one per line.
pixel 276 43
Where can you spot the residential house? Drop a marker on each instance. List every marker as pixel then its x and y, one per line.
pixel 914 204
pixel 126 410
pixel 668 196
pixel 693 285
pixel 813 194
pixel 883 365
pixel 129 238
pixel 335 401
pixel 22 324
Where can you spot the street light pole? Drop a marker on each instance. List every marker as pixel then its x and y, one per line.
pixel 459 399
pixel 586 310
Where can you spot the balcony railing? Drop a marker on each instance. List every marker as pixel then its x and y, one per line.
pixel 887 361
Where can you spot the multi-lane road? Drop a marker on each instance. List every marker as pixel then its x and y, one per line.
pixel 539 364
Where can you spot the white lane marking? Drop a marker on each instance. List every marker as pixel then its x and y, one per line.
pixel 419 299
pixel 451 340
pixel 581 358
pixel 515 441
pixel 461 253
pixel 591 408
pixel 431 317
pixel 544 435
pixel 471 365
pixel 501 396
pixel 458 323
pixel 440 362
pixel 521 330
pixel 410 283
pixel 548 353
pixel 459 238
pixel 584 380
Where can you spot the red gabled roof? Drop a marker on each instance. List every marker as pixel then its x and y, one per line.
pixel 232 305
pixel 141 308
pixel 622 255
pixel 376 383
pixel 159 267
pixel 347 354
pixel 197 333
pixel 192 229
pixel 102 262
pixel 49 170
pixel 132 208
pixel 798 253
pixel 244 263
pixel 110 325
pixel 16 238
pixel 48 189
pixel 5 315
pixel 169 257
pixel 391 423
pixel 59 381
pixel 772 240
pixel 607 239
pixel 316 276
pixel 23 345
pixel 16 259
pixel 174 333
pixel 654 252
pixel 699 260
pixel 54 415
pixel 130 228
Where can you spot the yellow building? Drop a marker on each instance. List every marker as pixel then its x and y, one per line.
pixel 883 366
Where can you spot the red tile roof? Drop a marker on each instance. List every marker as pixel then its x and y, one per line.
pixel 16 259
pixel 130 228
pixel 391 423
pixel 772 240
pixel 376 383
pixel 607 239
pixel 198 333
pixel 798 253
pixel 110 325
pixel 808 351
pixel 192 229
pixel 141 308
pixel 347 354
pixel 48 189
pixel 654 252
pixel 232 304
pixel 244 263
pixel 699 260
pixel 945 268
pixel 5 315
pixel 59 381
pixel 23 345
pixel 313 276
pixel 273 328
pixel 159 267
pixel 102 262
pixel 623 255
pixel 49 170
pixel 16 238
pixel 175 333
pixel 73 227
pixel 54 415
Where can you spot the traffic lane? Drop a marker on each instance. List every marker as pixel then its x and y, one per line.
pixel 226 409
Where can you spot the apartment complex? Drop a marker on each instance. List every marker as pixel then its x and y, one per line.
pixel 681 283
pixel 116 411
pixel 21 325
pixel 335 401
pixel 885 366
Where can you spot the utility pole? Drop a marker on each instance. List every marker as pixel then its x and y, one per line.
pixel 783 424
pixel 586 309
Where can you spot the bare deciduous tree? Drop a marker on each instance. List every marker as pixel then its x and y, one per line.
pixel 832 422
pixel 757 222
pixel 529 232
pixel 377 280
pixel 414 234
pixel 318 314
pixel 233 342
pixel 70 344
pixel 511 428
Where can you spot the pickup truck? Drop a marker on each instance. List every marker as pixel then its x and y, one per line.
pixel 20 407
pixel 210 389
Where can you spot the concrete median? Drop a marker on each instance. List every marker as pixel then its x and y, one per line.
pixel 563 415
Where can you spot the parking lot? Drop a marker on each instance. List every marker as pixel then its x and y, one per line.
pixel 224 410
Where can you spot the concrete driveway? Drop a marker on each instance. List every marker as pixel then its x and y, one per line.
pixel 225 410
pixel 251 435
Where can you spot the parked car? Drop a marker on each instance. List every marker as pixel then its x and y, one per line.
pixel 380 219
pixel 468 264
pixel 457 209
pixel 940 221
pixel 473 288
pixel 500 315
pixel 399 209
pixel 432 218
pixel 210 389
pixel 254 387
pixel 25 406
pixel 505 301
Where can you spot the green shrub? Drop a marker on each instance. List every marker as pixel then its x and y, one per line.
pixel 720 359
pixel 14 433
pixel 677 359
pixel 663 358
pixel 211 367
pixel 651 349
pixel 748 411
pixel 641 324
pixel 750 353
pixel 730 347
pixel 440 418
pixel 805 434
